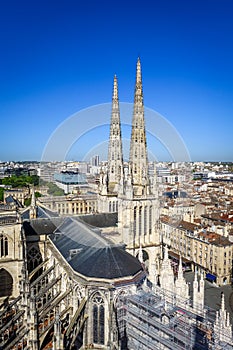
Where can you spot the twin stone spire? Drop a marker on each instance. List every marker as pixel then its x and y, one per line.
pixel 137 172
pixel 115 155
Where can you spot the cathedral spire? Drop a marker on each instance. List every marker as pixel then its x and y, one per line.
pixel 138 73
pixel 115 157
pixel 115 90
pixel 138 147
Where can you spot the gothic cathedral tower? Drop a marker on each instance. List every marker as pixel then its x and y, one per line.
pixel 138 149
pixel 111 175
pixel 115 157
pixel 127 188
pixel 138 205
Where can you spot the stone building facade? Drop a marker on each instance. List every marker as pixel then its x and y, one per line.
pixel 207 251
pixel 72 204
pixel 17 194
pixel 11 256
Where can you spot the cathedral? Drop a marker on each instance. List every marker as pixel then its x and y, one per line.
pixel 128 188
pixel 66 282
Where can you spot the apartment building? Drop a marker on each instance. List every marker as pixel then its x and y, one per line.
pixel 204 250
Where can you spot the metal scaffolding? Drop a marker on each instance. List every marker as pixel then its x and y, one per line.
pixel 148 321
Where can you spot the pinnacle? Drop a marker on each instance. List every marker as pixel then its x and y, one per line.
pixel 115 88
pixel 180 270
pixel 138 73
pixel 223 302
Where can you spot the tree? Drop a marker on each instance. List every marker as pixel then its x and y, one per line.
pixel 21 181
pixel 1 194
pixel 27 202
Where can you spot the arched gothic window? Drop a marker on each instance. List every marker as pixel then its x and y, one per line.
pixel 98 319
pixel 6 283
pixel 34 258
pixel 3 245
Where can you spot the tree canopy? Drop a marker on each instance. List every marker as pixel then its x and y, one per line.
pixel 26 180
pixel 20 181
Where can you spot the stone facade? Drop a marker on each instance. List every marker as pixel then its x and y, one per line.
pixel 207 251
pixel 11 259
pixel 71 205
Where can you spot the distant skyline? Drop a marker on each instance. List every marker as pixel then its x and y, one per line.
pixel 59 57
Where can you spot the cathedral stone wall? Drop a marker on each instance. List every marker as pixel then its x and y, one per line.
pixel 11 254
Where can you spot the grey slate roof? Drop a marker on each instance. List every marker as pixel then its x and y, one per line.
pixel 36 227
pixel 92 255
pixel 40 213
pixel 83 247
pixel 101 219
pixel 11 200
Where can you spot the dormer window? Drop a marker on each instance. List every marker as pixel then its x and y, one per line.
pixel 57 235
pixel 74 252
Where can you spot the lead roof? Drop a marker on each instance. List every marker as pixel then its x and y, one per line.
pixel 84 249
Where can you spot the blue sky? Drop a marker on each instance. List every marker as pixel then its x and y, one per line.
pixel 59 57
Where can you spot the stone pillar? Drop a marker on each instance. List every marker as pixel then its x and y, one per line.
pixel 58 337
pixel 33 325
